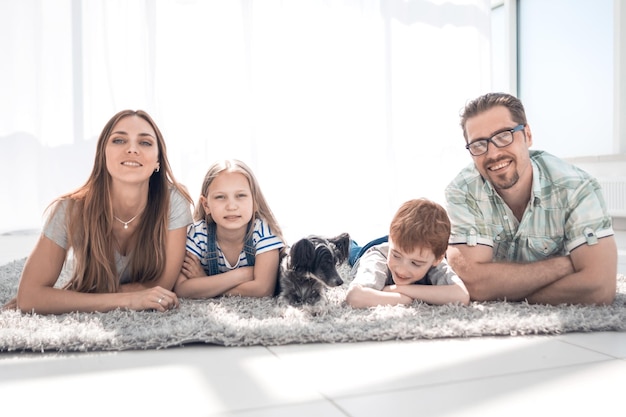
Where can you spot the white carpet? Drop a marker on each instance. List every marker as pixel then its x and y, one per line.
pixel 236 321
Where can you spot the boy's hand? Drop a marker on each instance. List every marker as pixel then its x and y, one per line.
pixel 404 299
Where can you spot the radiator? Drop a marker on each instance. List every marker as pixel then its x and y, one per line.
pixel 614 190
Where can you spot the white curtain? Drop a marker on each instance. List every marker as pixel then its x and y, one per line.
pixel 344 109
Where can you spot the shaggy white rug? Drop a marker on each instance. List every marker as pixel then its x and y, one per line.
pixel 236 321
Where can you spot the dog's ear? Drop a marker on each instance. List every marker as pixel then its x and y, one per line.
pixel 342 246
pixel 302 255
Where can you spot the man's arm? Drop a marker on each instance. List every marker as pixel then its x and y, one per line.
pixel 594 281
pixel 587 276
pixel 487 280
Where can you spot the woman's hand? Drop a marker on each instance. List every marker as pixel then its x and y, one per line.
pixel 156 298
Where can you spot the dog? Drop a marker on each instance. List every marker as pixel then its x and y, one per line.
pixel 310 266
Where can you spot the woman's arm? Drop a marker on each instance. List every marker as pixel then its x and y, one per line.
pixel 36 292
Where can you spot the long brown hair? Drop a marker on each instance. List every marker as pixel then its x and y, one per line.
pixel 89 218
pixel 260 206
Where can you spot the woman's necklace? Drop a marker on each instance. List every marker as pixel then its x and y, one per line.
pixel 128 222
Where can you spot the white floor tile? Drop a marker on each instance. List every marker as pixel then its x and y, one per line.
pixel 609 343
pixel 579 390
pixel 348 369
pixel 312 409
pixel 193 380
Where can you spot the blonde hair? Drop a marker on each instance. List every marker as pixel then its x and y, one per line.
pixel 89 219
pixel 261 209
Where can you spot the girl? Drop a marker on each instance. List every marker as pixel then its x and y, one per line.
pixel 126 228
pixel 235 240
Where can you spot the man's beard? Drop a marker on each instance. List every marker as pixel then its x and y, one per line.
pixel 508 183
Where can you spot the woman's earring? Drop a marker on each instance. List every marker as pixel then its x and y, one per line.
pixel 157 168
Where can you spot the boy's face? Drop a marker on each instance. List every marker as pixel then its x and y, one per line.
pixel 409 267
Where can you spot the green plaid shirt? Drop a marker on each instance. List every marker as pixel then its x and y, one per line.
pixel 566 210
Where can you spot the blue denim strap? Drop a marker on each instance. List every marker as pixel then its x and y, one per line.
pixel 250 250
pixel 249 247
pixel 212 256
pixel 356 251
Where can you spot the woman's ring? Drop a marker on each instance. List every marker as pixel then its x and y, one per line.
pixel 159 300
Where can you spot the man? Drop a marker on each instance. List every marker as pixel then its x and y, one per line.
pixel 525 224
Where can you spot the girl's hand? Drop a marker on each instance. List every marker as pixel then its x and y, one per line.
pixel 156 298
pixel 192 267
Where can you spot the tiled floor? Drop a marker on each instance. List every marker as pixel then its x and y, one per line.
pixel 572 374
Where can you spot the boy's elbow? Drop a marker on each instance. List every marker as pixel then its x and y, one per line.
pixel 464 297
pixel 350 297
pixel 478 292
pixel 475 288
pixel 354 297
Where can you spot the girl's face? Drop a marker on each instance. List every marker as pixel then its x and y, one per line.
pixel 408 268
pixel 132 150
pixel 229 201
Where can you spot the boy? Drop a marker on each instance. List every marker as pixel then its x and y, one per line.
pixel 387 272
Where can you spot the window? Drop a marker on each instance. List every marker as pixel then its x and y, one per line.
pixel 565 67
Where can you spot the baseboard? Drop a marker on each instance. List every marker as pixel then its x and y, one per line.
pixel 619 223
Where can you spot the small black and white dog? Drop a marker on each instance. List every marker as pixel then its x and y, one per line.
pixel 310 266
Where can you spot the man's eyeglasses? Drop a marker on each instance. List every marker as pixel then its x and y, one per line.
pixel 500 140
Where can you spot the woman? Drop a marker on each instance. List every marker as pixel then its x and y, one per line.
pixel 126 228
